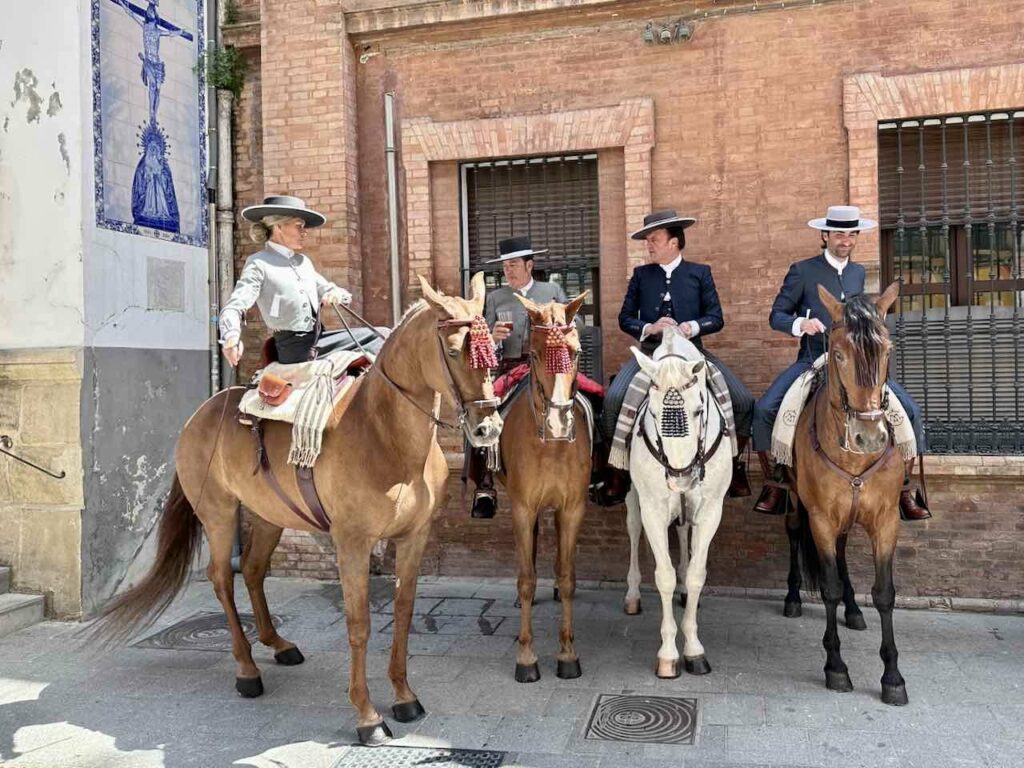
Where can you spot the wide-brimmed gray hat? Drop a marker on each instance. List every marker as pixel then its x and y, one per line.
pixel 842 218
pixel 284 205
pixel 661 220
pixel 515 248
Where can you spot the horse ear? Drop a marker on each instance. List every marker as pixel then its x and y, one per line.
pixel 696 367
pixel 887 298
pixel 573 307
pixel 647 365
pixel 434 298
pixel 477 290
pixel 532 309
pixel 833 305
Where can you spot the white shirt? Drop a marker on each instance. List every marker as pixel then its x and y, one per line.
pixel 525 288
pixel 669 269
pixel 838 266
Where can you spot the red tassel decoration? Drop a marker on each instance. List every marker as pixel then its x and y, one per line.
pixel 556 353
pixel 481 346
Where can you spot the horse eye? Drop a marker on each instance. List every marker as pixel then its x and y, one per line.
pixel 453 352
pixel 839 356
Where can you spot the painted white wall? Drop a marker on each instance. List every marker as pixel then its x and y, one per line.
pixel 41 175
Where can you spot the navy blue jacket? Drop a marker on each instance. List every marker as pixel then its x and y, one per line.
pixel 800 292
pixel 694 297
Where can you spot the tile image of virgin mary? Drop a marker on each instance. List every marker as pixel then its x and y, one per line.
pixel 154 203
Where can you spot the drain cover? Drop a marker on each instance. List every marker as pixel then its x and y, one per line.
pixel 647 719
pixel 408 757
pixel 206 631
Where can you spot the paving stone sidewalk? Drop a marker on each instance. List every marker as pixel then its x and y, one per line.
pixel 159 703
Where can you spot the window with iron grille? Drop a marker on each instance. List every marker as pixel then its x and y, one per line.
pixel 554 200
pixel 952 233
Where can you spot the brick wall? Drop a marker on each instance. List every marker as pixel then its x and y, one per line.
pixel 748 131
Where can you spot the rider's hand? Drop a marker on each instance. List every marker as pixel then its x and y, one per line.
pixel 659 326
pixel 501 332
pixel 233 353
pixel 337 296
pixel 812 326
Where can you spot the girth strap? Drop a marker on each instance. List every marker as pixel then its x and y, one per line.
pixel 304 478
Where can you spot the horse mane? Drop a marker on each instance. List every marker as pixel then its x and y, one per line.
pixel 866 331
pixel 673 342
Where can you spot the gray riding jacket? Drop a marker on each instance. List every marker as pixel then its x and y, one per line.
pixel 284 285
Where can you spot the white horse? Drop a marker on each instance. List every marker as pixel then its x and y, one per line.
pixel 680 457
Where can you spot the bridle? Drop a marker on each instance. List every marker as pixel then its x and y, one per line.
pixel 696 468
pixel 563 409
pixel 849 411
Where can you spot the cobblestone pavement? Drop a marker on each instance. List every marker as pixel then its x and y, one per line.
pixel 158 703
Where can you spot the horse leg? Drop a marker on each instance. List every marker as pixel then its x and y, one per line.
pixel 793 606
pixel 854 616
pixel 694 660
pixel 263 539
pixel 837 676
pixel 656 530
pixel 567 522
pixel 221 536
pixel 683 530
pixel 634 525
pixel 524 526
pixel 883 595
pixel 536 539
pixel 408 554
pixel 354 569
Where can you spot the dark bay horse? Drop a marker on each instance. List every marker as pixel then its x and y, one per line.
pixel 381 474
pixel 848 471
pixel 546 459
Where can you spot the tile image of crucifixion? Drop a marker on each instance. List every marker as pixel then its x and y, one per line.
pixel 154 203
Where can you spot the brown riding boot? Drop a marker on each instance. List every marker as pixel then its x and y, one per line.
pixel 772 500
pixel 739 486
pixel 912 506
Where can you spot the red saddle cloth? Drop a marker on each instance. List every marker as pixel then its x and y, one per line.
pixel 507 382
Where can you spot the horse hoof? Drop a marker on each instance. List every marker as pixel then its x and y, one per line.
pixel 249 687
pixel 527 673
pixel 895 695
pixel 569 670
pixel 374 735
pixel 668 669
pixel 838 681
pixel 698 665
pixel 792 610
pixel 556 595
pixel 289 657
pixel 856 621
pixel 633 607
pixel 408 711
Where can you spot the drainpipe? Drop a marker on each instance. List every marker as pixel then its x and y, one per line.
pixel 213 297
pixel 392 170
pixel 225 200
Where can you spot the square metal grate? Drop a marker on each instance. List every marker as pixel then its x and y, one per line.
pixel 644 719
pixel 416 757
pixel 205 631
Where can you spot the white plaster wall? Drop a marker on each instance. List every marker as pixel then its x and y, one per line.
pixel 41 174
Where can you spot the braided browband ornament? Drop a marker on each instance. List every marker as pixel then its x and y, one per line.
pixel 556 352
pixel 481 346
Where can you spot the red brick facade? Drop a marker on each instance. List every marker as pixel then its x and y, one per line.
pixel 753 125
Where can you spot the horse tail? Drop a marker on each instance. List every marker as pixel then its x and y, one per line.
pixel 177 544
pixel 808 550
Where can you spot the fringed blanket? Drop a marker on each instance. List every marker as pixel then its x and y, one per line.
pixel 793 404
pixel 318 387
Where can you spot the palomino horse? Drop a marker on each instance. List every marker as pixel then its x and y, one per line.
pixel 848 471
pixel 381 474
pixel 545 457
pixel 680 455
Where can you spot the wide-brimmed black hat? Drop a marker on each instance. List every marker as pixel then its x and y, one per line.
pixel 661 220
pixel 515 248
pixel 284 205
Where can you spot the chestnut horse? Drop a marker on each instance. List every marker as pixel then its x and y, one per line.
pixel 847 470
pixel 381 474
pixel 545 458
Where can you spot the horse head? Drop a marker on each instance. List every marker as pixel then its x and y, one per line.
pixel 858 365
pixel 678 405
pixel 554 362
pixel 465 360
